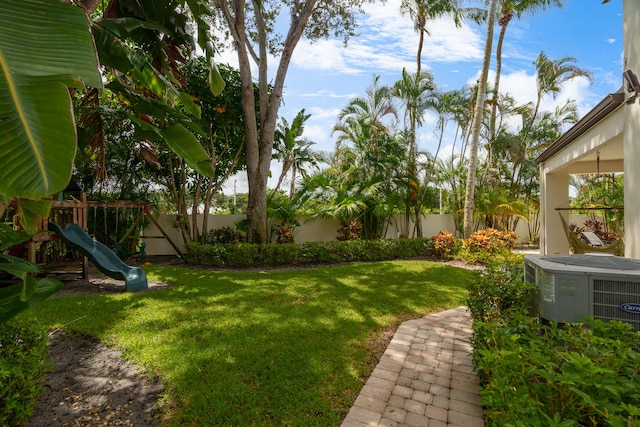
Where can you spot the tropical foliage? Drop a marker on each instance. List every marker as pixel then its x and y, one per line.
pixel 47 50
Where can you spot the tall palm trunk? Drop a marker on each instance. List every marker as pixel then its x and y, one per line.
pixel 477 121
pixel 422 21
pixel 503 22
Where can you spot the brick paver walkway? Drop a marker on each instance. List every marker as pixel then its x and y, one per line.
pixel 424 378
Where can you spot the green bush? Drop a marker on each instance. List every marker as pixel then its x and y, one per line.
pixel 240 255
pixel 551 375
pixel 499 291
pixel 24 360
pixel 224 235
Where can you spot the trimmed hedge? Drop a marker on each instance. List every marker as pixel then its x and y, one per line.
pixel 583 374
pixel 24 361
pixel 239 255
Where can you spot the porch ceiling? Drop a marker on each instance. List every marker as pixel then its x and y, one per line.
pixel 600 130
pixel 611 155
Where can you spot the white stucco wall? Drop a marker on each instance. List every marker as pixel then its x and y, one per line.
pixel 631 12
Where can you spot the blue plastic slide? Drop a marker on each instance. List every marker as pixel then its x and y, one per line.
pixel 101 256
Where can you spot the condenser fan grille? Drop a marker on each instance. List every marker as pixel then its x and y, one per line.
pixel 609 295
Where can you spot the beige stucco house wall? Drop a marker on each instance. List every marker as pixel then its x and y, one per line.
pixel 611 129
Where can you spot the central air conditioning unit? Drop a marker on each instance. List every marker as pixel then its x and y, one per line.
pixel 606 287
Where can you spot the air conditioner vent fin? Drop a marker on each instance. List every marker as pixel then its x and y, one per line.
pixel 529 273
pixel 609 295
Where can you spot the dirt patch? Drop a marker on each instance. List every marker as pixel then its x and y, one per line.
pixel 92 385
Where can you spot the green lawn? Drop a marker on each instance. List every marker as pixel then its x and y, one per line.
pixel 290 347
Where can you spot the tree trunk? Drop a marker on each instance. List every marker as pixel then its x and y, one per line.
pixel 292 187
pixel 418 214
pixel 89 6
pixel 421 24
pixel 477 121
pixel 260 146
pixel 496 86
pixel 285 169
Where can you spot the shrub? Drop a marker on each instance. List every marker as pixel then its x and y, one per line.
pixel 284 234
pixel 224 235
pixel 444 244
pixel 500 290
pixel 490 240
pixel 353 231
pixel 246 254
pixel 24 360
pixel 555 375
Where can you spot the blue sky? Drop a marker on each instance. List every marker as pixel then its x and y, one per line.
pixel 325 75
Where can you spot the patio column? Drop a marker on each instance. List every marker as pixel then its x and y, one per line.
pixel 632 133
pixel 554 193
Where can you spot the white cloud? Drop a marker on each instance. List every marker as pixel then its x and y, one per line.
pixel 321 135
pixel 388 42
pixel 227 57
pixel 324 113
pixel 519 84
pixel 323 55
pixel 445 42
pixel 324 94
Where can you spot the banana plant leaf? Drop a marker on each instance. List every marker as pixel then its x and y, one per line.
pixel 45 47
pixel 10 237
pixel 11 302
pixel 200 13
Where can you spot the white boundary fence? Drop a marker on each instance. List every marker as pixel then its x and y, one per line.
pixel 319 230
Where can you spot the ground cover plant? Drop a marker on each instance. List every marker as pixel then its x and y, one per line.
pixel 290 347
pixel 548 374
pixel 23 364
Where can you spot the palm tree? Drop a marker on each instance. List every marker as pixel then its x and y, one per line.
pixel 294 151
pixel 463 116
pixel 509 9
pixel 444 104
pixel 450 177
pixel 422 10
pixel 373 107
pixel 361 123
pixel 552 74
pixel 550 77
pixel 414 92
pixel 477 121
pixel 370 156
pixel 349 199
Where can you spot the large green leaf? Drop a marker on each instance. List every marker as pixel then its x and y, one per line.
pixel 45 47
pixel 10 237
pixel 20 296
pixel 185 145
pixel 201 13
pixel 12 303
pixel 32 212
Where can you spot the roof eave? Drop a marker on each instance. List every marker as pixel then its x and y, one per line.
pixel 605 107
